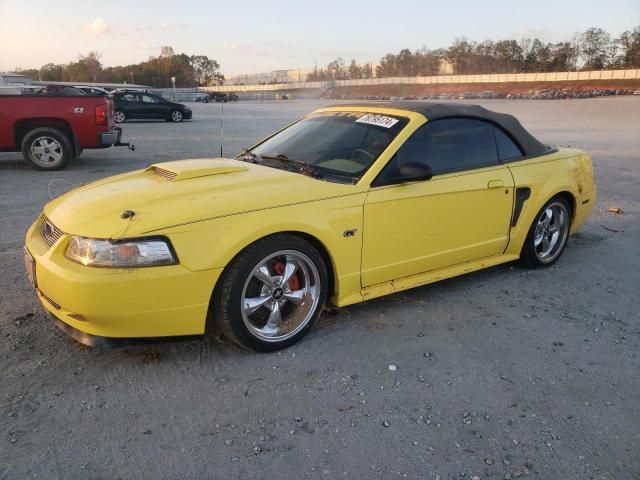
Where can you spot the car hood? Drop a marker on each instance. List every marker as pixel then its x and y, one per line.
pixel 180 192
pixel 174 104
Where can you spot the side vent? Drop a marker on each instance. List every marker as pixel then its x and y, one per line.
pixel 168 174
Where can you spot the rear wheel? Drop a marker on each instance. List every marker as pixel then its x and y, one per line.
pixel 271 294
pixel 47 149
pixel 548 234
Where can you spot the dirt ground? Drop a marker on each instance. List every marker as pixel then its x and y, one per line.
pixel 500 374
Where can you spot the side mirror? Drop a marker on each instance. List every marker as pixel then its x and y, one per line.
pixel 415 172
pixel 409 172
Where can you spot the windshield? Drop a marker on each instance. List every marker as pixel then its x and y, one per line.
pixel 337 146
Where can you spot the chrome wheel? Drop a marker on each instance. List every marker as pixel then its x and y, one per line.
pixel 119 116
pixel 46 151
pixel 176 116
pixel 551 232
pixel 280 296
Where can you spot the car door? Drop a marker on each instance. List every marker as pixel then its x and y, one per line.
pixel 152 106
pixel 461 214
pixel 130 104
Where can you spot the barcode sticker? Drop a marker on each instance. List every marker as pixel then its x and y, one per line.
pixel 378 120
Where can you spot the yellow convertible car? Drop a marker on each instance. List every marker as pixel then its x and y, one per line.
pixel 349 203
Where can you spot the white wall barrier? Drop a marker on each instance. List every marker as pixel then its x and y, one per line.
pixel 440 79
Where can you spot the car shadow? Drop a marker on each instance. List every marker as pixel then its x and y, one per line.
pixel 134 121
pixel 14 164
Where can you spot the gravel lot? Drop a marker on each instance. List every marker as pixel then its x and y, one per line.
pixel 504 373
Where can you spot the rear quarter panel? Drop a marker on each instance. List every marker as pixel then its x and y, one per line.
pixel 565 170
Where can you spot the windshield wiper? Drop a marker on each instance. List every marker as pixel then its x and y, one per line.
pixel 300 164
pixel 245 152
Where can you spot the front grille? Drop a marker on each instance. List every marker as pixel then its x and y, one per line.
pixel 49 232
pixel 168 174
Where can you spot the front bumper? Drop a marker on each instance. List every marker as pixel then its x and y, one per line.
pixel 119 303
pixel 97 341
pixel 187 114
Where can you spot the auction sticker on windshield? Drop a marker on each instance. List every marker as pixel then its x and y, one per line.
pixel 378 120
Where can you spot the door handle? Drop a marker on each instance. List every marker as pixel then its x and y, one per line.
pixel 495 184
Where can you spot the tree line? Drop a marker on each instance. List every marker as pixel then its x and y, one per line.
pixel 188 70
pixel 593 49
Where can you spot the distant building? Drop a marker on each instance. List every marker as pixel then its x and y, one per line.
pixel 13 79
pixel 290 75
pixel 445 66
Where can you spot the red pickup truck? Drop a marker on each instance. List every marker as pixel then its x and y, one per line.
pixel 51 130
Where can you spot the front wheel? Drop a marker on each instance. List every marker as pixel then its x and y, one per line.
pixel 548 234
pixel 271 293
pixel 176 116
pixel 119 116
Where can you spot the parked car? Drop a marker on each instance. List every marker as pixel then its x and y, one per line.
pixel 131 104
pixel 338 207
pixel 50 130
pixel 91 90
pixel 221 97
pixel 130 89
pixel 56 89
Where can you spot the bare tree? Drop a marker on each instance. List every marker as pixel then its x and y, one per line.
pixel 629 43
pixel 595 43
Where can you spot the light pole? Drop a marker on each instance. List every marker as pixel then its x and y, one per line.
pixel 173 81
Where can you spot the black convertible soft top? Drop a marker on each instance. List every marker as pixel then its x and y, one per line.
pixel 529 145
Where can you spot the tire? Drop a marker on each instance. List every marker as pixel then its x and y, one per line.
pixel 176 116
pixel 542 247
pixel 119 116
pixel 253 307
pixel 47 149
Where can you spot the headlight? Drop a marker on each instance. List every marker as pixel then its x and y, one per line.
pixel 121 253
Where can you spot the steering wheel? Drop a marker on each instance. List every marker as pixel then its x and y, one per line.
pixel 361 151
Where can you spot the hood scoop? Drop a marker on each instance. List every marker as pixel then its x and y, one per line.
pixel 195 168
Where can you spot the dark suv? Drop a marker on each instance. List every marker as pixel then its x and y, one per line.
pixel 221 97
pixel 132 104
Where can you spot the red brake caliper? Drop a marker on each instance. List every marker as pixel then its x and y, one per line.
pixel 294 282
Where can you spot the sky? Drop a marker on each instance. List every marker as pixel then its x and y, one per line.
pixel 259 36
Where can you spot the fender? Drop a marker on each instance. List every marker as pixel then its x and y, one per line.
pixel 223 238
